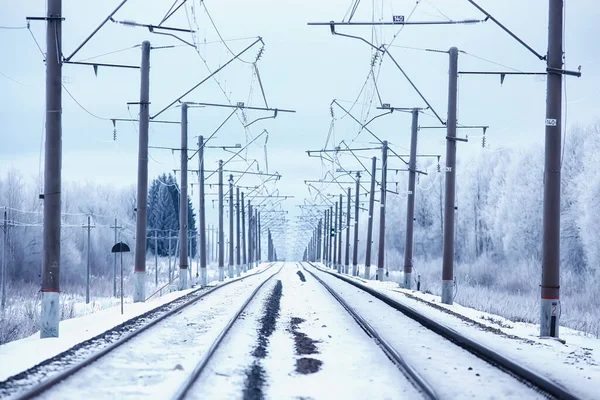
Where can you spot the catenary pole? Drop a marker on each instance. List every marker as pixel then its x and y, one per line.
pixel 319 233
pixel 4 248
pixel 370 220
pixel 330 245
pixel 347 255
pixel 231 241
pixel 410 206
pixel 450 192
pixel 244 254
pixel 335 237
pixel 258 238
pixel 356 209
pixel 156 258
pixel 50 311
pixel 87 279
pixel 325 235
pixel 169 233
pixel 550 291
pixel 238 266
pixel 382 204
pixel 116 227
pixel 202 213
pixel 221 231
pixel 183 202
pixel 139 292
pixel 250 235
pixel 340 235
pixel 255 237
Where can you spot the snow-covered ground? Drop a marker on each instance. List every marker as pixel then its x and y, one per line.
pixel 452 371
pixel 158 360
pixel 20 355
pixel 574 364
pixel 341 350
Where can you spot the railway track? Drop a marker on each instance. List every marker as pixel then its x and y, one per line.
pixel 414 376
pixel 185 388
pixel 529 378
pixel 50 373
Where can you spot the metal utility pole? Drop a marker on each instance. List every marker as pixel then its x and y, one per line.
pixel 190 251
pixel 325 236
pixel 330 250
pixel 87 286
pixel 244 262
pixel 269 246
pixel 258 238
pixel 335 238
pixel 255 237
pixel 550 293
pixel 5 226
pixel 183 202
pixel 250 235
pixel 450 193
pixel 139 292
pixel 116 228
pixel 347 258
pixel 202 213
pixel 381 252
pixel 410 207
pixel 169 233
pixel 221 232
pixel 340 235
pixel 318 241
pixel 238 266
pixel 155 257
pixel 230 265
pixel 52 173
pixel 356 209
pixel 370 220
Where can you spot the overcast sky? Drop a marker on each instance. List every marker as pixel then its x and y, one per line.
pixel 303 68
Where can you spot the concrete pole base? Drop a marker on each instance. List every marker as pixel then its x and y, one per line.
pixel 230 271
pixel 244 268
pixel 549 317
pixel 407 280
pixel 183 279
pixel 238 270
pixel 368 272
pixel 380 274
pixel 448 291
pixel 139 287
pixel 221 274
pixel 50 315
pixel 203 278
pixel 355 270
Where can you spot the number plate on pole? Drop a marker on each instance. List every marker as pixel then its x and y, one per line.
pixel 398 18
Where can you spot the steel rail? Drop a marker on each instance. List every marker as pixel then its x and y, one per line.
pixel 193 377
pixel 61 376
pixel 416 379
pixel 485 353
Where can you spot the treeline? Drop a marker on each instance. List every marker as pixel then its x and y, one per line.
pixel 499 204
pixel 103 204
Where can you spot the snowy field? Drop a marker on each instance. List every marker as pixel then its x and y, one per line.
pixel 21 317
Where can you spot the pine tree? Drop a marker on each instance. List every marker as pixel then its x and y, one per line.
pixel 163 215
